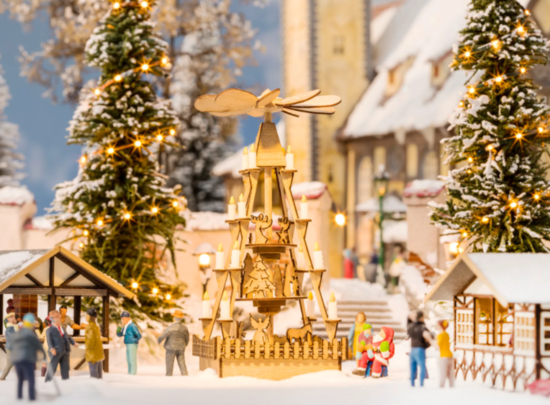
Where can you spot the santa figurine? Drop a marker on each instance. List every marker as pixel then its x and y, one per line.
pixel 384 350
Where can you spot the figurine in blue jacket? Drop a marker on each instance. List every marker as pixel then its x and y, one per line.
pixel 132 336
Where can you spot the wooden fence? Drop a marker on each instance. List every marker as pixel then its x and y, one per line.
pixel 319 349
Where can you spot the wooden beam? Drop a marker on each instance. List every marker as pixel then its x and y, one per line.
pixel 86 275
pixel 77 310
pixel 52 300
pixel 34 280
pixel 1 314
pixel 106 317
pixel 66 282
pixel 28 290
pixel 82 291
pixel 538 329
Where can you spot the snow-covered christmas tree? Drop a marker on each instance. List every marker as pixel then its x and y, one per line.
pixel 498 194
pixel 10 161
pixel 122 216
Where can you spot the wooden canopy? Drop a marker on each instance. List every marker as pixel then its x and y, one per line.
pixel 57 272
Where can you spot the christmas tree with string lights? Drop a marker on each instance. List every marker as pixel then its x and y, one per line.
pixel 498 197
pixel 121 216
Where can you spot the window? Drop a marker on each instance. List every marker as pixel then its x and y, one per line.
pixel 545 333
pixel 524 333
pixel 379 158
pixel 365 180
pixel 484 321
pixel 504 325
pixel 430 165
pixel 412 161
pixel 464 327
pixel 338 45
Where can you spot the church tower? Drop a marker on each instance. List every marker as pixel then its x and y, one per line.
pixel 324 46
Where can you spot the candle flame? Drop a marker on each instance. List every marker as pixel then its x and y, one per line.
pixel 225 297
pixel 206 297
pixel 304 199
pixel 232 201
pixel 220 247
pixel 236 246
pixel 252 149
pixel 310 296
pixel 288 150
pixel 241 198
pixel 245 151
pixel 332 297
pixel 316 247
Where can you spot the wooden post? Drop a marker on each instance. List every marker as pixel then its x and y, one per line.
pixel 52 299
pixel 538 329
pixel 77 310
pixel 268 193
pixel 106 330
pixel 1 314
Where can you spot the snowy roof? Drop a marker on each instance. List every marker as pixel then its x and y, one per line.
pixel 395 232
pixel 40 223
pixel 15 196
pixel 381 21
pixel 311 189
pixel 31 268
pixel 522 278
pixel 426 31
pixel 423 188
pixel 391 204
pixel 233 163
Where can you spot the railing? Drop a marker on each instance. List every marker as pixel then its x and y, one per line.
pixel 318 349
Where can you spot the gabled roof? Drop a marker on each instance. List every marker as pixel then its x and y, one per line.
pixel 31 268
pixel 511 277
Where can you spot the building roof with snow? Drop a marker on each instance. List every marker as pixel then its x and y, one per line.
pixel 423 188
pixel 521 278
pixel 22 270
pixel 423 31
pixel 15 196
pixel 391 204
pixel 231 165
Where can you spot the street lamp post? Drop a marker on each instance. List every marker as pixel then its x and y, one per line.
pixel 381 181
pixel 204 253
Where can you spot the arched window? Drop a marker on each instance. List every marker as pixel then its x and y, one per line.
pixel 364 180
pixel 412 160
pixel 430 166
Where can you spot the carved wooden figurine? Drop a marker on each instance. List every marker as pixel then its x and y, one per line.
pixel 260 325
pixel 299 334
pixel 263 223
pixel 259 282
pixel 283 234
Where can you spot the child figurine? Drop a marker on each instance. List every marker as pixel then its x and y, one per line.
pixel 384 351
pixel 446 361
pixel 131 339
pixel 365 352
pixel 354 334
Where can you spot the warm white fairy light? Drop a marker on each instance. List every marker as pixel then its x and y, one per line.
pixel 540 129
pixel 81 245
pixel 83 160
pixel 127 215
pixel 521 30
pixel 111 150
pixel 175 204
pixel 144 4
pixel 137 144
pixel 536 196
pixel 522 69
pixel 490 148
pixel 168 296
pixel 485 220
pixel 99 222
pixel 467 54
pixel 470 159
pixel 495 43
pixel 97 92
pixel 85 233
pixel 164 60
pixel 498 79
pixel 513 204
pixel 519 135
pixel 471 90
pixel 135 285
pixel 527 12
pixel 154 210
pixel 172 131
pixel 116 5
pixel 461 104
pixel 118 78
pixel 145 67
pixel 464 234
pixel 160 138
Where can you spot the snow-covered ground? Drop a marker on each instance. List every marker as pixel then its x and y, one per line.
pixel 204 387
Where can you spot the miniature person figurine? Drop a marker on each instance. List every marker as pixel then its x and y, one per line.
pixel 25 346
pixel 132 336
pixel 365 353
pixel 176 339
pixel 11 328
pixel 446 369
pixel 354 334
pixel 59 343
pixel 384 351
pixel 421 339
pixel 94 346
pixel 66 320
pixel 42 335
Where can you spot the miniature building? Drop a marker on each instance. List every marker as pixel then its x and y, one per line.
pixel 502 316
pixel 55 273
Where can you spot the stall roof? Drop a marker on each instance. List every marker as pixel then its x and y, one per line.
pixel 30 269
pixel 511 277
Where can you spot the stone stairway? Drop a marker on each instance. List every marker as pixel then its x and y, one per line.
pixel 378 314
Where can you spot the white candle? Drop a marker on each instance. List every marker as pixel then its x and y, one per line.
pixel 231 209
pixel 252 157
pixel 304 214
pixel 245 158
pixel 220 258
pixel 310 305
pixel 332 307
pixel 241 207
pixel 206 311
pixel 289 159
pixel 318 262
pixel 235 257
pixel 225 312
